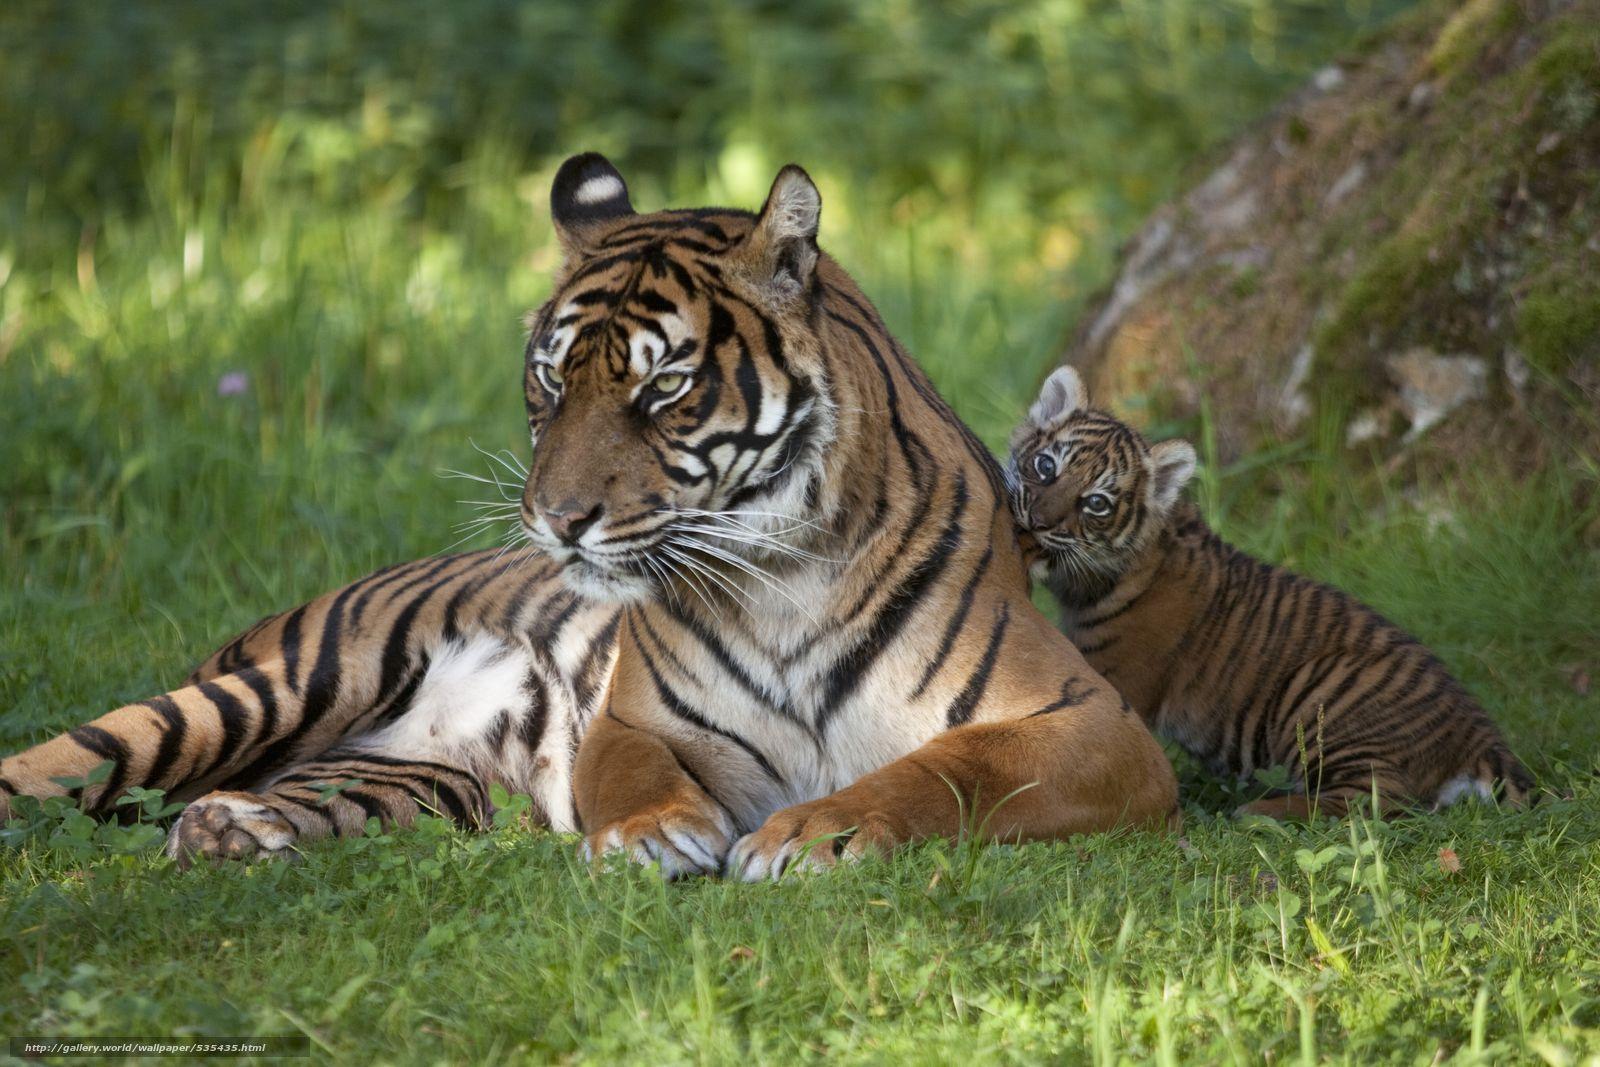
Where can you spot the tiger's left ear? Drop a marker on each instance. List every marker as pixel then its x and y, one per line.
pixel 588 194
pixel 781 251
pixel 1171 466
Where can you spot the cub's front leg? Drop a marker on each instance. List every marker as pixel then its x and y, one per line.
pixel 1044 766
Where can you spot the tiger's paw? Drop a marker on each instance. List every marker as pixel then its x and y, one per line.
pixel 812 837
pixel 681 839
pixel 229 826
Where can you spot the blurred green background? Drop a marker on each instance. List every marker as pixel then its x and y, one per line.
pixel 337 213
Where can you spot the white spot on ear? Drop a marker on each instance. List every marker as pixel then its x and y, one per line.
pixel 1172 464
pixel 599 189
pixel 1061 395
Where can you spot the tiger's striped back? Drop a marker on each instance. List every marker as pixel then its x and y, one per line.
pixel 1244 664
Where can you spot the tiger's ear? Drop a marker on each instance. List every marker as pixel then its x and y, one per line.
pixel 1061 395
pixel 1171 466
pixel 781 251
pixel 588 193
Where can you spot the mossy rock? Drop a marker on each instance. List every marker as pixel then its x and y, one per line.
pixel 1438 191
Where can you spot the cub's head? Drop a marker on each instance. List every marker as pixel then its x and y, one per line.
pixel 675 389
pixel 1088 487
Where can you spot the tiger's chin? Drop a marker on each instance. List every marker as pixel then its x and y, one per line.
pixel 605 584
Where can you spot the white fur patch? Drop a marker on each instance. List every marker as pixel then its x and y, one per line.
pixel 644 349
pixel 452 718
pixel 599 189
pixel 1462 786
pixel 772 415
pixel 468 684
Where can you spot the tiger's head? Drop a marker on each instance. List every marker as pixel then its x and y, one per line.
pixel 676 392
pixel 1088 487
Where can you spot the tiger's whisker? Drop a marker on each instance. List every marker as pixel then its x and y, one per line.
pixel 772 583
pixel 695 566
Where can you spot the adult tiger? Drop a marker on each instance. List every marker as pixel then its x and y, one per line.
pixel 799 560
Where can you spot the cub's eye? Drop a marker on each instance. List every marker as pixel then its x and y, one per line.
pixel 667 384
pixel 550 377
pixel 1044 466
pixel 1097 504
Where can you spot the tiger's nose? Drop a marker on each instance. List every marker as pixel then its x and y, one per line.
pixel 569 521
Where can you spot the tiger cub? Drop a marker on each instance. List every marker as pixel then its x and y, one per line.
pixel 1243 664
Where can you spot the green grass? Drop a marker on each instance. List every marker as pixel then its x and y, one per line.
pixel 374 309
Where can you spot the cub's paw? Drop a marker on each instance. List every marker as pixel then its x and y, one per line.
pixel 810 837
pixel 682 839
pixel 229 826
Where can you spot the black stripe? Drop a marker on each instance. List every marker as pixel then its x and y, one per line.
pixel 261 686
pixel 531 727
pixel 498 731
pixel 289 646
pixel 673 703
pixel 1114 613
pixel 1098 646
pixel 849 670
pixel 1071 697
pixel 966 702
pixel 235 720
pixel 585 680
pixel 371 805
pixel 730 666
pixel 279 802
pixel 396 649
pixel 920 383
pixel 376 581
pixel 517 600
pixel 403 698
pixel 107 746
pixel 963 606
pixel 321 689
pixel 171 746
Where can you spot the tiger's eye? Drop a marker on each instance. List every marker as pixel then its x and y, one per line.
pixel 1044 466
pixel 668 383
pixel 1097 504
pixel 551 377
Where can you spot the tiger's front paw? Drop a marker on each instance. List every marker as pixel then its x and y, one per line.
pixel 682 839
pixel 229 826
pixel 813 836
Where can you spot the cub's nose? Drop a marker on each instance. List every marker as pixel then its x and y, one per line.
pixel 569 520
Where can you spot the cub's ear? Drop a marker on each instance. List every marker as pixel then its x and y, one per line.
pixel 1061 395
pixel 781 251
pixel 1171 467
pixel 587 193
